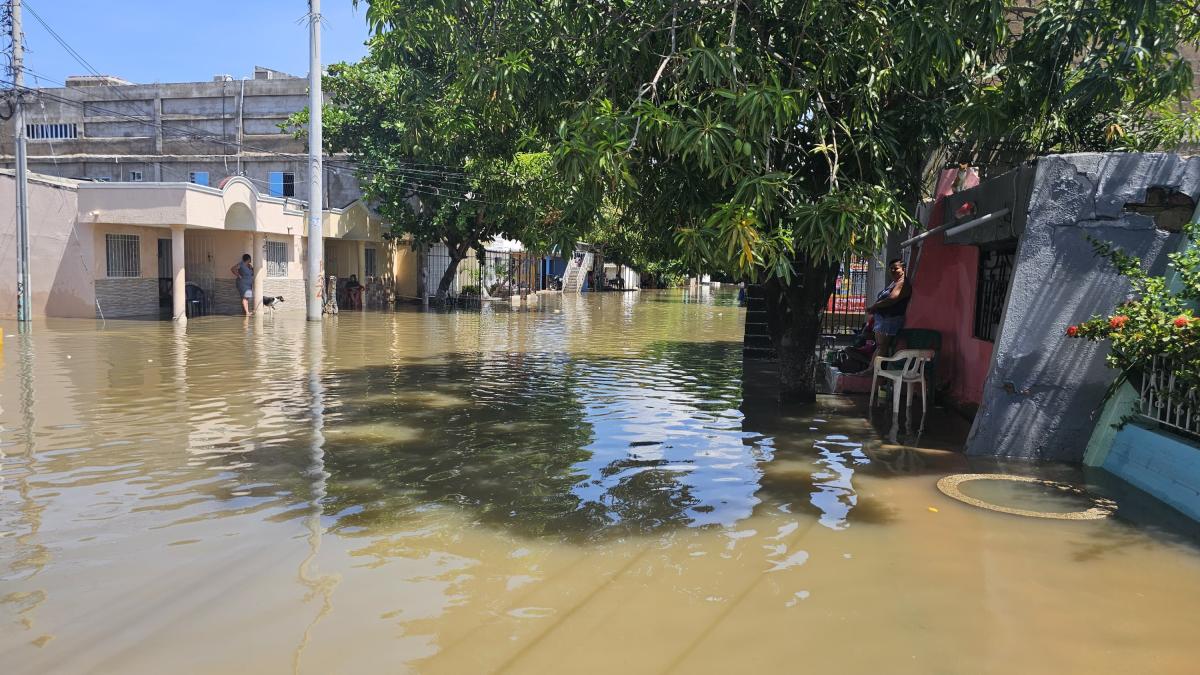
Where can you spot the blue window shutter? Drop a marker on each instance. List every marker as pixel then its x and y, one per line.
pixel 275 184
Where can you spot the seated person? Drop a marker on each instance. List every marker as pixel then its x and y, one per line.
pixel 857 357
pixel 354 292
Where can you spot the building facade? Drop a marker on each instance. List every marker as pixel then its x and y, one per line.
pixel 160 250
pixel 108 129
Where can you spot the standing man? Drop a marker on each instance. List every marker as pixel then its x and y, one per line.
pixel 243 272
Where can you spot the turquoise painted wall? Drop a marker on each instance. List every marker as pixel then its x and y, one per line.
pixel 1160 463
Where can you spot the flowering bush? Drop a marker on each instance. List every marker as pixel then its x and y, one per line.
pixel 1161 318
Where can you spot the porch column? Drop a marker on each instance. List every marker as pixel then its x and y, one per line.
pixel 362 262
pixel 178 276
pixel 260 269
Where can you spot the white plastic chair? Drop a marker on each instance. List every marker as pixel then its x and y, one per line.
pixel 910 372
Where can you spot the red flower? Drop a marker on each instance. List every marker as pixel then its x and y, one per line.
pixel 1181 321
pixel 1072 331
pixel 1118 322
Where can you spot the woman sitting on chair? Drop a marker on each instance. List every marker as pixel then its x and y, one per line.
pixel 354 292
pixel 889 308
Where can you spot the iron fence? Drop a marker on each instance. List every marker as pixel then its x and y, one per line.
pixel 1168 402
pixel 844 312
pixel 492 275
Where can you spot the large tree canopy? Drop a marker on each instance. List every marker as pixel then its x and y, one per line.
pixel 771 139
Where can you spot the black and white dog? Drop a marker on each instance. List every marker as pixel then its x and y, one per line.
pixel 270 302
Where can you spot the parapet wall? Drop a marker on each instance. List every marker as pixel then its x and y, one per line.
pixel 1043 392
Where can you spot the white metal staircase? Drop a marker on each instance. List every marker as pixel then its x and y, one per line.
pixel 576 274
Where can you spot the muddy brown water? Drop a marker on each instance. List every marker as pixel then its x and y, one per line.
pixel 576 489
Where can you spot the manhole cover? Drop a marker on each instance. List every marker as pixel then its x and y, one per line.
pixel 1061 501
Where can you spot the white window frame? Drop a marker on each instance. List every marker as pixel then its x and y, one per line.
pixel 126 257
pixel 276 255
pixel 136 176
pixel 52 132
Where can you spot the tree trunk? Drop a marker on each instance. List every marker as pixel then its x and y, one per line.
pixel 457 253
pixel 794 322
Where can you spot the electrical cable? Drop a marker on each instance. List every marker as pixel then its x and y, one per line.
pixel 417 181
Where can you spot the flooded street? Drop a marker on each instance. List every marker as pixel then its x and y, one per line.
pixel 574 489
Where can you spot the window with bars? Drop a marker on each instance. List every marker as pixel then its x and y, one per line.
pixel 369 258
pixel 123 254
pixel 277 259
pixel 51 132
pixel 991 289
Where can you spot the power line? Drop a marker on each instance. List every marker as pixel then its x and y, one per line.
pixel 423 179
pixel 69 49
pixel 445 173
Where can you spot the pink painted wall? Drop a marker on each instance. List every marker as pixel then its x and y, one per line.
pixel 944 300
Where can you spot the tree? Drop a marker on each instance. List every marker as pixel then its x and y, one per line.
pixel 770 140
pixel 436 157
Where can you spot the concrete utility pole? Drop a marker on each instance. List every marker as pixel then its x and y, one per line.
pixel 316 246
pixel 24 308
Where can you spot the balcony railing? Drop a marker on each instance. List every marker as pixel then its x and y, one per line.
pixel 1168 402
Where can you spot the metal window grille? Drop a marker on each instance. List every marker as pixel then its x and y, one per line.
pixel 369 258
pixel 844 312
pixel 991 289
pixel 1168 402
pixel 277 259
pixel 123 254
pixel 51 132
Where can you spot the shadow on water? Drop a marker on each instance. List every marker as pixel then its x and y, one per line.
pixel 543 444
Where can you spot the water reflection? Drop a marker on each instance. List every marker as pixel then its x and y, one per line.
pixel 474 491
pixel 317 584
pixel 547 445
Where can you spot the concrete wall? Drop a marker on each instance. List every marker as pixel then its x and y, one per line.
pixel 110 145
pixel 1160 463
pixel 944 287
pixel 1043 390
pixel 61 251
pixel 405 267
pixel 124 298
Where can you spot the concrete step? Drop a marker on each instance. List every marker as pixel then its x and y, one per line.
pixel 755 354
pixel 757 341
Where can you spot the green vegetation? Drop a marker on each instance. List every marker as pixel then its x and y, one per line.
pixel 764 140
pixel 1160 322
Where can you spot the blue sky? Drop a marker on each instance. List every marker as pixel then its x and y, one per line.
pixel 175 41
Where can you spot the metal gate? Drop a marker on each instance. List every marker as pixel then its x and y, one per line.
pixel 844 313
pixel 198 257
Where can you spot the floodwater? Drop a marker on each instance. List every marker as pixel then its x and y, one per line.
pixel 576 489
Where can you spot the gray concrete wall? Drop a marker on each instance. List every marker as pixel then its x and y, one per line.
pixel 118 298
pixel 1043 390
pixel 110 144
pixel 292 291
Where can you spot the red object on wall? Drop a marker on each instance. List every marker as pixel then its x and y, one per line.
pixel 944 300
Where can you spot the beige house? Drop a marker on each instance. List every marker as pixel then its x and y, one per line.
pixel 165 249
